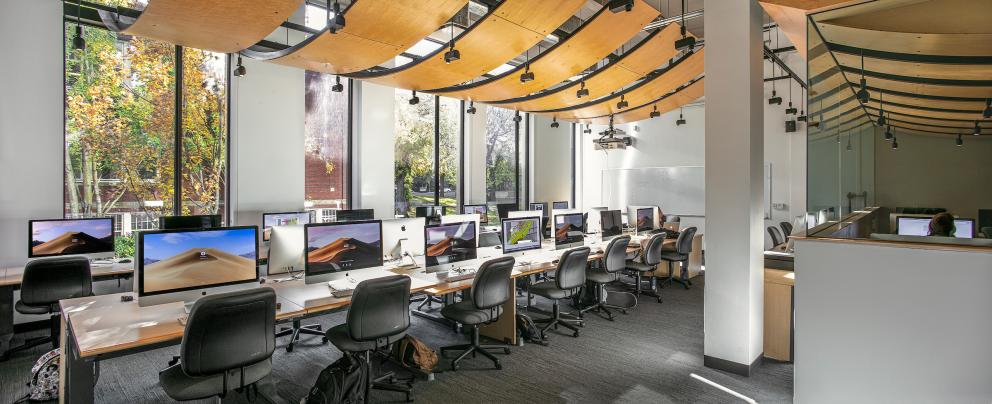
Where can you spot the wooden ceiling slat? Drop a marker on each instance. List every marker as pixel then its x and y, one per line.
pixel 376 32
pixel 649 55
pixel 507 31
pixel 687 95
pixel 591 43
pixel 220 26
pixel 901 42
pixel 931 114
pixel 836 79
pixel 924 70
pixel 963 126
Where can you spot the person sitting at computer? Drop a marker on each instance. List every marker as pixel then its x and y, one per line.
pixel 942 225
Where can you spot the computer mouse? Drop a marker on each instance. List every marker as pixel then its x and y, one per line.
pixel 499 247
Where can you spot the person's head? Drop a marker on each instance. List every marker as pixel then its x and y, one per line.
pixel 942 225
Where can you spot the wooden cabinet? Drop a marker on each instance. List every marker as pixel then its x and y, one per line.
pixel 779 312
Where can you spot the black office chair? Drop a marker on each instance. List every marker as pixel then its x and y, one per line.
pixel 44 283
pixel 786 229
pixel 683 247
pixel 570 276
pixel 650 258
pixel 614 260
pixel 987 231
pixel 776 235
pixel 227 345
pixel 489 239
pixel 490 289
pixel 379 316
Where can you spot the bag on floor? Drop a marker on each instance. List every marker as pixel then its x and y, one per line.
pixel 414 354
pixel 528 330
pixel 346 381
pixel 44 384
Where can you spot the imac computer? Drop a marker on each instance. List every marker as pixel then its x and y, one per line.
pixel 920 226
pixel 539 206
pixel 403 237
pixel 430 212
pixel 645 219
pixel 611 222
pixel 184 265
pixel 521 234
pixel 559 205
pixel 481 210
pixel 593 221
pixel 352 215
pixel 447 244
pixel 503 209
pixel 333 248
pixel 523 213
pixel 188 222
pixel 462 219
pixel 283 219
pixel 92 238
pixel 568 230
pixel 286 247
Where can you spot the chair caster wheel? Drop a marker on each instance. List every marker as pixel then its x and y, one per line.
pixel 323 340
pixel 289 348
pixel 623 311
pixel 659 300
pixel 506 351
pixel 499 366
pixel 454 367
pixel 575 334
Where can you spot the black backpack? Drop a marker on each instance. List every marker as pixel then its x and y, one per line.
pixel 528 330
pixel 345 381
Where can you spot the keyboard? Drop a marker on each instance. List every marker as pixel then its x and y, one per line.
pixel 461 274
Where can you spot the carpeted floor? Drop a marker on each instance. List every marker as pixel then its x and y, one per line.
pixel 646 356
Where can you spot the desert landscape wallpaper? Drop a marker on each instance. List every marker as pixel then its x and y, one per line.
pixel 343 247
pixel 450 243
pixel 566 227
pixel 190 259
pixel 71 237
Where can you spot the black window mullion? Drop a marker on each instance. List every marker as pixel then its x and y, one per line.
pixel 437 151
pixel 516 160
pixel 177 174
pixel 351 140
pixel 461 156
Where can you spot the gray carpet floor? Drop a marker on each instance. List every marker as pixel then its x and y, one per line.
pixel 646 356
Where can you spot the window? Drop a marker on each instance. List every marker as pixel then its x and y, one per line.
pixel 204 134
pixel 414 152
pixel 327 144
pixel 501 158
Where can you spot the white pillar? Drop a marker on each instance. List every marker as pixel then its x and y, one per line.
pixel 474 169
pixel 734 156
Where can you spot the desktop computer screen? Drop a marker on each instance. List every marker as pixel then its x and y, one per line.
pixel 448 243
pixel 560 205
pixel 481 210
pixel 503 209
pixel 645 219
pixel 428 211
pixel 49 238
pixel 612 223
pixel 521 234
pixel 171 261
pixel 568 230
pixel 541 206
pixel 352 215
pixel 282 219
pixel 188 222
pixel 920 226
pixel 344 246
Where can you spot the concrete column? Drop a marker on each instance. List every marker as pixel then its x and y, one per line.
pixel 734 158
pixel 375 165
pixel 474 170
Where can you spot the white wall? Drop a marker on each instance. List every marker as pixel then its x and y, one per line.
pixel 373 150
pixel 474 170
pixel 891 324
pixel 267 132
pixel 31 122
pixel 551 156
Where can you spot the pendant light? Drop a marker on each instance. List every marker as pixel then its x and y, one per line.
pixel 960 141
pixel 978 129
pixel 583 91
pixel 554 122
pixel 452 54
pixel 654 112
pixel 862 94
pixel 335 23
pixel 240 70
pixel 414 100
pixel 471 107
pixel 881 110
pixel 337 87
pixel 623 102
pixel 78 42
pixel 681 120
pixel 527 75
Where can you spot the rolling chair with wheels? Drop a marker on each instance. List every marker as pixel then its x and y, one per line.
pixel 987 231
pixel 776 235
pixel 44 283
pixel 379 316
pixel 227 345
pixel 570 276
pixel 650 259
pixel 683 247
pixel 296 330
pixel 786 229
pixel 490 289
pixel 614 260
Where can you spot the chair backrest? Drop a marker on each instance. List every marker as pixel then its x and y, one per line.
pixel 652 251
pixel 786 229
pixel 229 331
pixel 491 286
pixel 571 272
pixel 48 280
pixel 615 254
pixel 489 239
pixel 380 308
pixel 775 234
pixel 987 231
pixel 683 245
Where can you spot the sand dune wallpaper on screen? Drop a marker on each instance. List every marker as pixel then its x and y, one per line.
pixel 450 243
pixel 71 237
pixel 567 227
pixel 192 259
pixel 344 247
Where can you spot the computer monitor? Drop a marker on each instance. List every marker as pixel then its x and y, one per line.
pixel 188 222
pixel 446 244
pixel 523 213
pixel 283 219
pixel 341 246
pixel 286 249
pixel 645 219
pixel 594 224
pixel 541 206
pixel 428 211
pixel 481 210
pixel 503 209
pixel 920 226
pixel 450 219
pixel 611 222
pixel 93 238
pixel 568 230
pixel 401 236
pixel 449 210
pixel 964 228
pixel 352 215
pixel 521 234
pixel 185 264
pixel 559 205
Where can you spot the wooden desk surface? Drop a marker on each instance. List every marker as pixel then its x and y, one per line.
pixel 12 276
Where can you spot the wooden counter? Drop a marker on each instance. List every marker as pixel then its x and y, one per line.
pixel 779 285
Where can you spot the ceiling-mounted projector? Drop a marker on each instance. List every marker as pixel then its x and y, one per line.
pixel 612 139
pixel 619 6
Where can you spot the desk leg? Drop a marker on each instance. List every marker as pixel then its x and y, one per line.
pixel 505 329
pixel 6 317
pixel 76 375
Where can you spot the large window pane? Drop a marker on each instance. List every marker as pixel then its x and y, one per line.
pixel 204 141
pixel 450 113
pixel 414 151
pixel 501 157
pixel 326 144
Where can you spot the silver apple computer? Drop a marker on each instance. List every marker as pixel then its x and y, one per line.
pixel 521 235
pixel 286 246
pixel 403 237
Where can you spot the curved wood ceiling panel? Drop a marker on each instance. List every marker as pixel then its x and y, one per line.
pixel 912 88
pixel 963 126
pixel 901 42
pixel 595 39
pixel 666 103
pixel 647 91
pixel 913 69
pixel 376 32
pixel 507 31
pixel 932 114
pixel 221 26
pixel 651 53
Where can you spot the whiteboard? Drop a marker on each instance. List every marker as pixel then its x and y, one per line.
pixel 677 190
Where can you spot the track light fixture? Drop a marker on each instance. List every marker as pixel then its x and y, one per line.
pixel 414 100
pixel 336 22
pixel 654 112
pixel 583 91
pixel 452 54
pixel 516 117
pixel 337 87
pixel 802 112
pixel 960 141
pixel 838 135
pixel 527 75
pixel 686 42
pixel 619 6
pixel 895 143
pixel 623 102
pixel 775 100
pixel 978 129
pixel 588 129
pixel 554 122
pixel 863 95
pixel 471 107
pixel 881 110
pixel 78 43
pixel 888 133
pixel 987 113
pixel 791 110
pixel 240 70
pixel 681 120
pixel 849 146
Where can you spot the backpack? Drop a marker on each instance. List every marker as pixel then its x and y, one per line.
pixel 414 353
pixel 345 381
pixel 44 384
pixel 528 330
